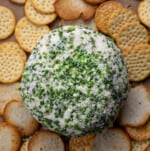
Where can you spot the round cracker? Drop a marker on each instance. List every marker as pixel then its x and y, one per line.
pixel 11 66
pixel 140 145
pixel 136 109
pixel 11 45
pixel 132 34
pixel 10 139
pixel 118 18
pixel 7 22
pixel 103 13
pixel 112 140
pixel 37 17
pixel 47 141
pixel 28 34
pixel 44 6
pixel 81 143
pixel 144 12
pixel 139 133
pixel 24 121
pixel 138 62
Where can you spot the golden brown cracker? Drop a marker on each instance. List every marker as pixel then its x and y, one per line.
pixel 138 62
pixel 11 66
pixel 11 45
pixel 44 6
pixel 131 34
pixel 139 133
pixel 144 12
pixel 28 34
pixel 103 13
pixel 118 18
pixel 7 22
pixel 37 17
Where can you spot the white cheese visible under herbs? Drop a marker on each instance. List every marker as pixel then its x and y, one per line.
pixel 74 81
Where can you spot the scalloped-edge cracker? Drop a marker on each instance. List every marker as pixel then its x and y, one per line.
pixel 73 9
pixel 37 17
pixel 7 22
pixel 28 34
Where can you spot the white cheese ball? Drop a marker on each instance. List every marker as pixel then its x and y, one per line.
pixel 75 81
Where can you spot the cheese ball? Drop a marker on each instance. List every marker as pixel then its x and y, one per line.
pixel 75 81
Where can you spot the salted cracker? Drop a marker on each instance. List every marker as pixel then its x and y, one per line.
pixel 144 12
pixel 7 22
pixel 118 18
pixel 11 66
pixel 24 122
pixel 132 34
pixel 37 17
pixel 12 45
pixel 44 6
pixel 28 34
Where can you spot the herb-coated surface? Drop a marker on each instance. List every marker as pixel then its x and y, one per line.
pixel 74 81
